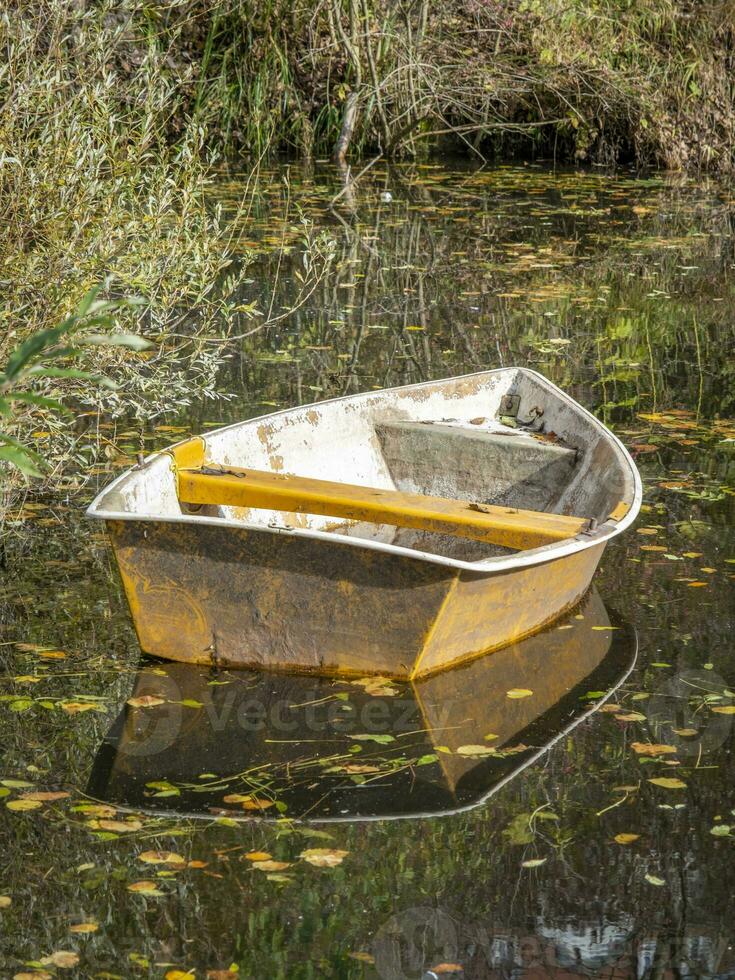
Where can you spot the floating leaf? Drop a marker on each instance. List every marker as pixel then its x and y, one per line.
pixel 46 797
pixel 380 739
pixel 269 865
pixel 257 804
pixel 145 701
pixel 77 707
pixel 120 826
pixel 64 959
pixel 646 748
pixel 720 830
pixel 653 880
pixel 161 857
pixel 145 888
pixel 21 805
pixel 84 928
pixel 518 692
pixel 323 857
pixel 476 751
pixel 668 782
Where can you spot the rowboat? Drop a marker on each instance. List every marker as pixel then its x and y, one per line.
pixel 394 532
pixel 278 744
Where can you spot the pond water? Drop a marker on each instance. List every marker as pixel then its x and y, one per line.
pixel 582 826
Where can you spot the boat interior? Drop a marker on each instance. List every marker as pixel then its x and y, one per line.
pixel 468 468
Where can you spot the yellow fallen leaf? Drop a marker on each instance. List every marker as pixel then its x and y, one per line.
pixel 323 857
pixel 626 838
pixel 269 865
pixel 83 928
pixel 518 692
pixel 696 585
pixel 179 974
pixel 440 968
pixel 668 782
pixel 237 798
pixel 646 748
pixel 145 701
pixel 77 707
pixel 198 864
pixel 257 856
pixel 35 975
pixel 632 716
pixel 257 804
pixel 52 655
pixel 144 888
pixel 21 805
pixel 161 857
pixel 685 732
pixel 725 709
pixel 476 750
pixel 5 901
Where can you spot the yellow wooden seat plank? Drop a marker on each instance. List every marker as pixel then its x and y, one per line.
pixel 509 527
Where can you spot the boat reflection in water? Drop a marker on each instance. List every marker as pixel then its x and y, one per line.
pixel 262 745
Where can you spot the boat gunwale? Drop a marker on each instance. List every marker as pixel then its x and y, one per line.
pixel 485 566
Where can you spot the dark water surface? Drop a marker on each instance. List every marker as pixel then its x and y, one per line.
pixel 445 826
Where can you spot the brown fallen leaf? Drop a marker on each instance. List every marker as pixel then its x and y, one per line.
pixel 646 748
pixel 237 798
pixel 145 701
pixel 46 797
pixel 441 968
pixel 626 838
pixel 323 857
pixel 120 826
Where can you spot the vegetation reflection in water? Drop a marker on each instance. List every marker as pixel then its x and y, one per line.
pixel 613 850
